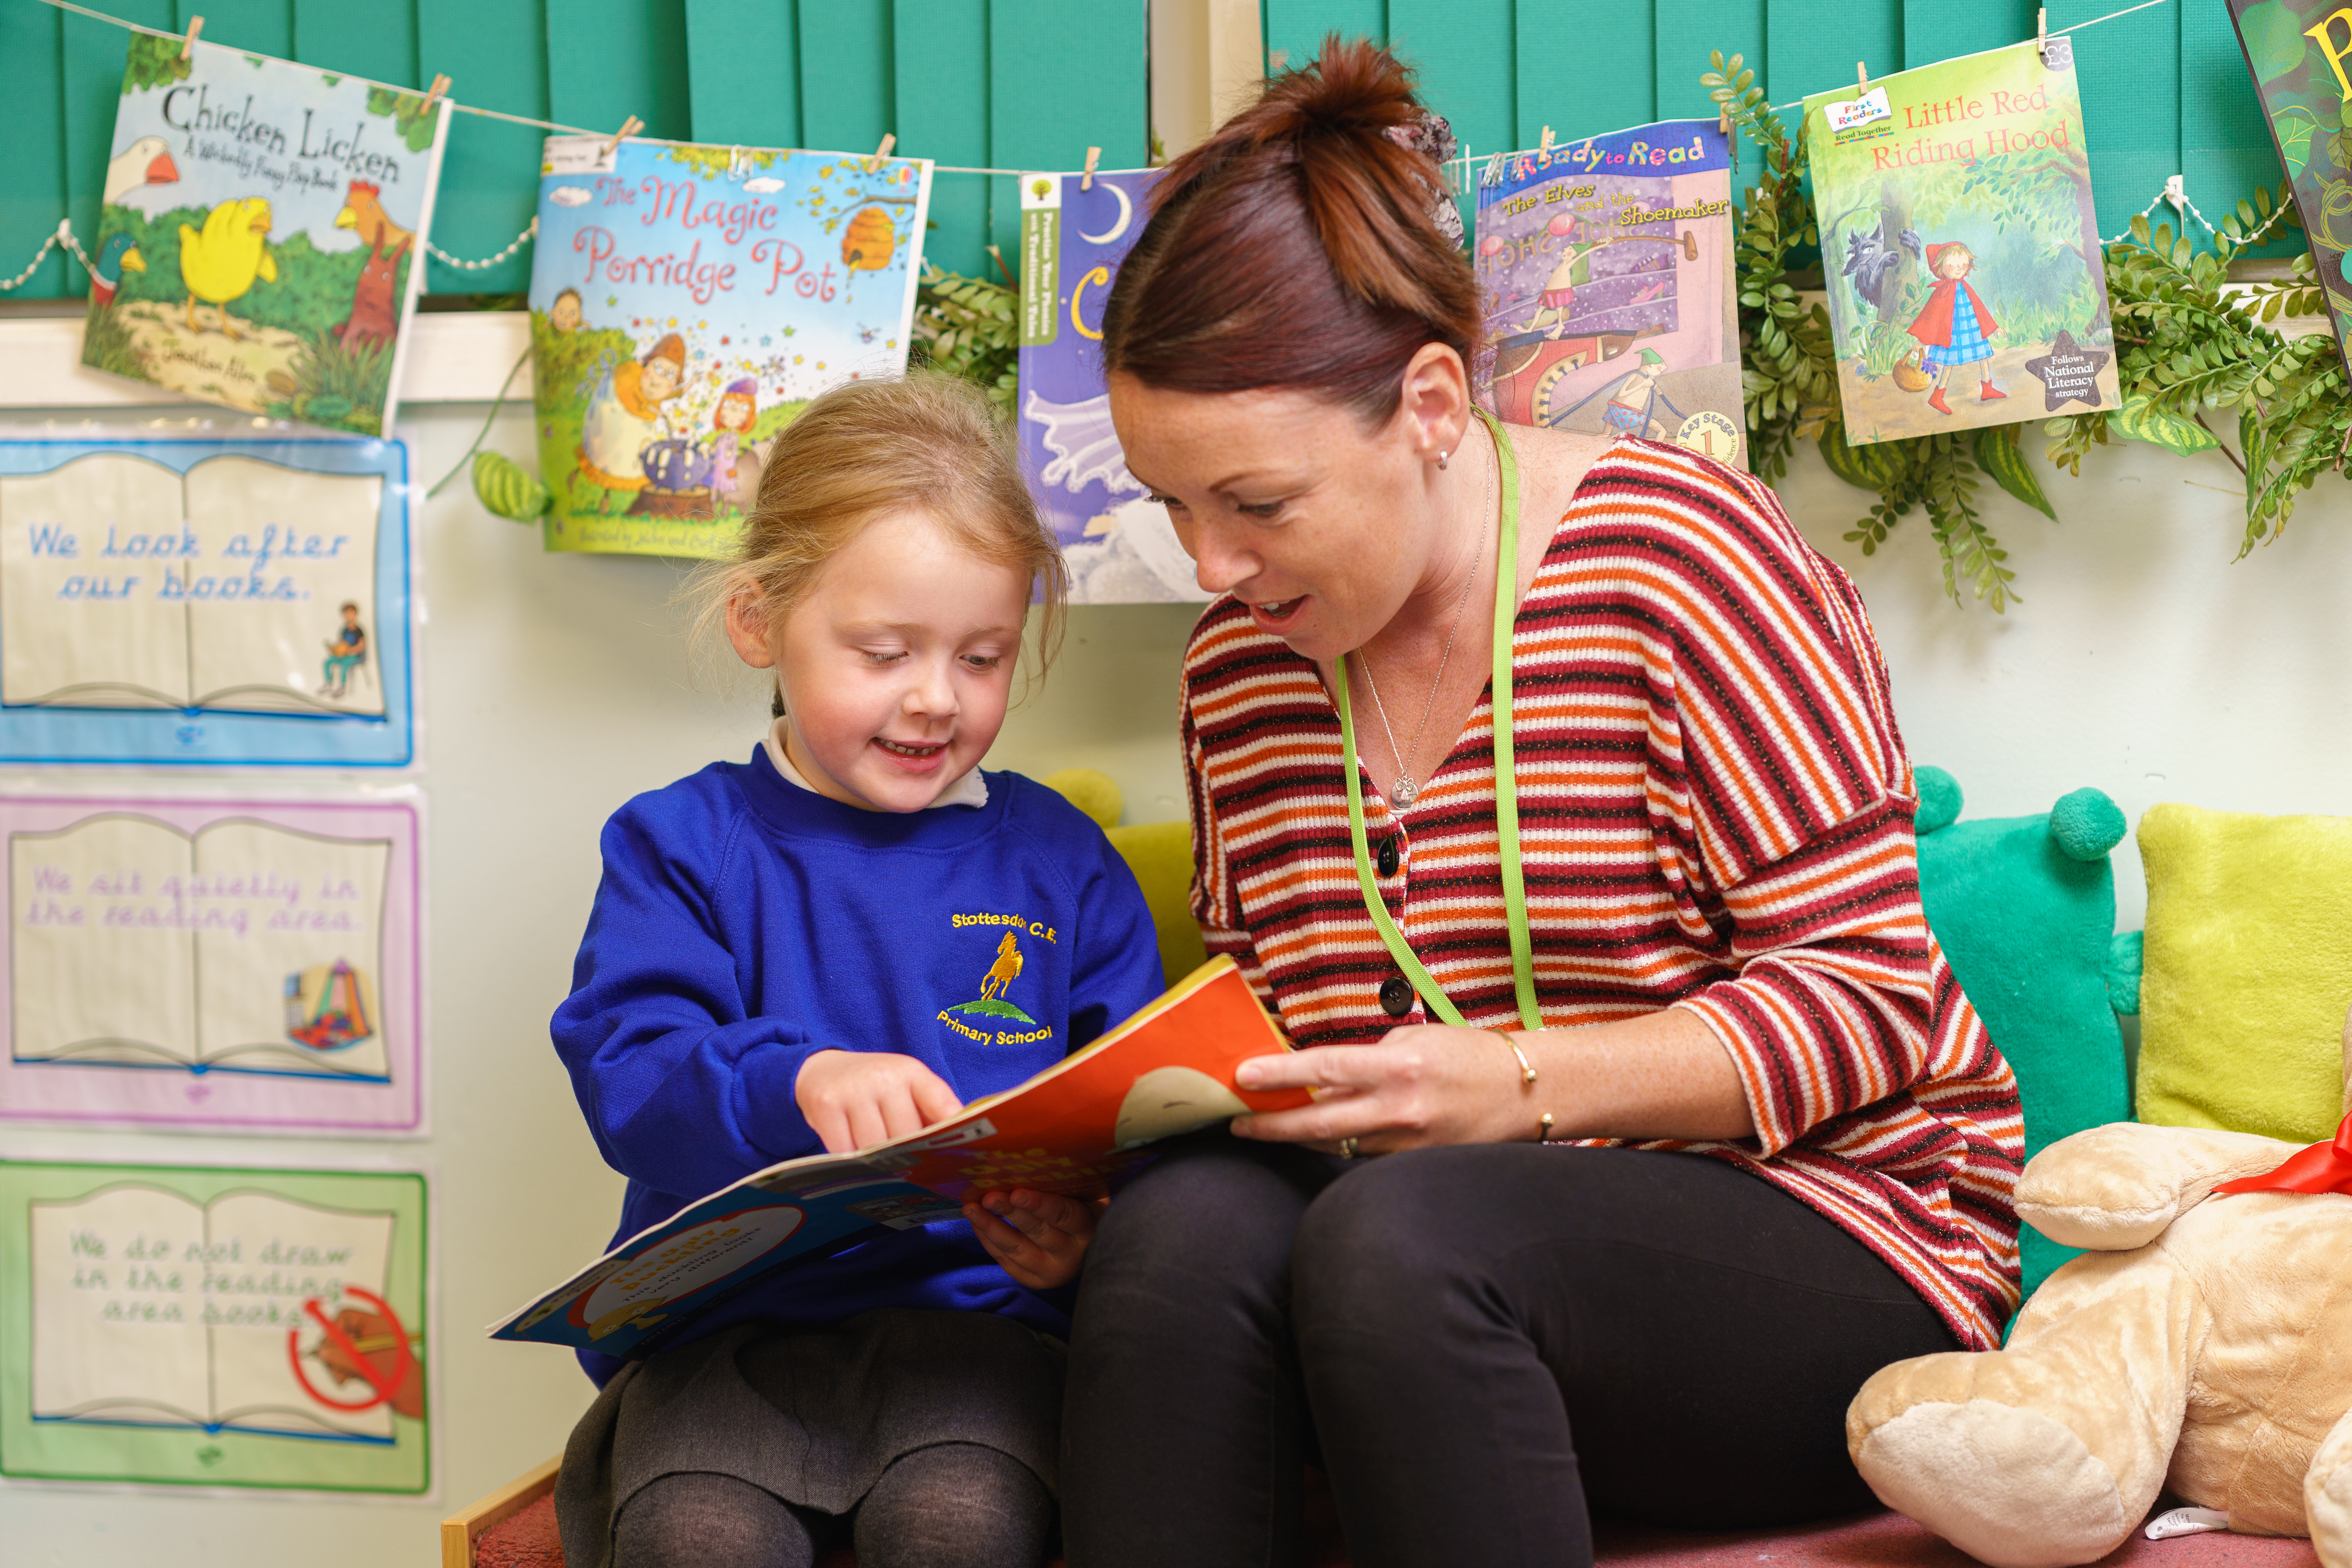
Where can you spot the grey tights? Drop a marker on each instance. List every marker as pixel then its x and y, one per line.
pixel 953 1505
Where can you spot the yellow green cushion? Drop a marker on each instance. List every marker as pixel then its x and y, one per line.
pixel 1161 855
pixel 2248 971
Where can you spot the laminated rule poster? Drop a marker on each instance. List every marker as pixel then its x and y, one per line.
pixel 686 302
pixel 1118 543
pixel 1606 272
pixel 203 600
pixel 185 1325
pixel 2300 52
pixel 230 965
pixel 261 240
pixel 1961 248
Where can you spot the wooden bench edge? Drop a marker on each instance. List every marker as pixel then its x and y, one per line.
pixel 463 1528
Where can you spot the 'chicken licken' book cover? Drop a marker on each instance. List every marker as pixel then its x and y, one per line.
pixel 2300 52
pixel 1080 1127
pixel 261 237
pixel 1961 247
pixel 1606 269
pixel 686 302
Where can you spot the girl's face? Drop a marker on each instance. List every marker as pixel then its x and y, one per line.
pixel 735 412
pixel 1955 264
pixel 896 665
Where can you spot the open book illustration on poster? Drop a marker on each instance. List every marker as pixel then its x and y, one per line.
pixel 1961 247
pixel 1605 269
pixel 1117 539
pixel 1079 1128
pixel 248 964
pixel 259 589
pixel 232 1327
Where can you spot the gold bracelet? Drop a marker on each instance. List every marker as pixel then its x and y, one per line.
pixel 1527 1073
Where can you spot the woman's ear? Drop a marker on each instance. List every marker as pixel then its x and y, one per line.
pixel 1435 400
pixel 748 626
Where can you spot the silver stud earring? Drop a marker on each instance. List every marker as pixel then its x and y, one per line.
pixel 1441 461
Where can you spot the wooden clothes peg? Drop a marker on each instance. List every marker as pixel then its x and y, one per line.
pixel 890 140
pixel 1861 80
pixel 432 95
pixel 1544 147
pixel 1086 180
pixel 188 45
pixel 629 128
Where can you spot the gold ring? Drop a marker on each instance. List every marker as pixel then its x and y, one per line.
pixel 1347 1148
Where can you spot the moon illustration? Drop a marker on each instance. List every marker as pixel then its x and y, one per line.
pixel 1126 217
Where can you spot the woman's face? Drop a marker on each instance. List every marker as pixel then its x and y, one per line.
pixel 1321 525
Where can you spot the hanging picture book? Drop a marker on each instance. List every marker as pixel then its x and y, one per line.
pixel 1118 544
pixel 261 240
pixel 1961 247
pixel 186 1325
pixel 2300 52
pixel 686 302
pixel 1606 271
pixel 205 600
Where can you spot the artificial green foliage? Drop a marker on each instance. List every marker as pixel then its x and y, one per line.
pixel 506 489
pixel 969 327
pixel 2183 350
pixel 409 120
pixel 153 61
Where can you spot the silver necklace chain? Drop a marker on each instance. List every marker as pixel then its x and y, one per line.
pixel 1404 790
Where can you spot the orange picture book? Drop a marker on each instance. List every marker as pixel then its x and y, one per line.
pixel 1079 1128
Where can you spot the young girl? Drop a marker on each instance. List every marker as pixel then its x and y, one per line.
pixel 1954 327
pixel 773 952
pixel 732 420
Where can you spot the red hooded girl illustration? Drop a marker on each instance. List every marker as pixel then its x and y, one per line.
pixel 1956 328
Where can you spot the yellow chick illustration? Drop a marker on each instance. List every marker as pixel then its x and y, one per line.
pixel 220 264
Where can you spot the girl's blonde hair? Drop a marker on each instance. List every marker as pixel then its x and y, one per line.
pixel 927 441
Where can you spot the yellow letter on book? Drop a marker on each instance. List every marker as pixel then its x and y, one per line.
pixel 2319 35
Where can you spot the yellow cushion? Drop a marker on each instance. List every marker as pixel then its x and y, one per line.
pixel 1161 856
pixel 2248 971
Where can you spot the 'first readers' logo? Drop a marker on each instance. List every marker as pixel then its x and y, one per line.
pixel 992 1002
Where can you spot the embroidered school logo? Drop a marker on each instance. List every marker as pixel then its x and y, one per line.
pixel 992 1002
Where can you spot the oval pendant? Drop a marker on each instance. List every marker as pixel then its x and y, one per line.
pixel 1403 791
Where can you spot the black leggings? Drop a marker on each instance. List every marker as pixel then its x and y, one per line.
pixel 1451 1317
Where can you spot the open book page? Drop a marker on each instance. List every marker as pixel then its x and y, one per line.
pixel 100 945
pixel 294 984
pixel 283 552
pixel 83 550
pixel 118 1309
pixel 294 1269
pixel 1080 1127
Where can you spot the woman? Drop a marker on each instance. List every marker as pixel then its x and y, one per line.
pixel 1791 1146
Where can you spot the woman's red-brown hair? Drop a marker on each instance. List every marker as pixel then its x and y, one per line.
pixel 1295 248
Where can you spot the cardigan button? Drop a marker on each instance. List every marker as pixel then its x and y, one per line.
pixel 1388 856
pixel 1396 997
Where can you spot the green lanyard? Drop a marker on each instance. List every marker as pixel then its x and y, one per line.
pixel 1506 789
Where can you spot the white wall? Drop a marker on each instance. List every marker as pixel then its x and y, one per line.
pixel 2141 661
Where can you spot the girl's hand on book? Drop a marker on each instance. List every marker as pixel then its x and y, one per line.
pixel 1039 1238
pixel 854 1099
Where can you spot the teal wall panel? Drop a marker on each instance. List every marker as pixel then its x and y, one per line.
pixel 2225 144
pixel 1564 84
pixel 1043 114
pixel 848 94
pixel 1295 30
pixel 496 57
pixel 940 51
pixel 377 41
pixel 1808 57
pixel 743 71
pixel 1940 30
pixel 264 27
pixel 1687 32
pixel 33 178
pixel 607 59
pixel 92 57
pixel 2133 132
pixel 1464 56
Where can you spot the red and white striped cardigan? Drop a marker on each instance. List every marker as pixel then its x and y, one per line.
pixel 1714 813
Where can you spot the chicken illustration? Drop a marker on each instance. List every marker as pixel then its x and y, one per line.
pixel 221 264
pixel 114 257
pixel 146 161
pixel 1004 972
pixel 375 312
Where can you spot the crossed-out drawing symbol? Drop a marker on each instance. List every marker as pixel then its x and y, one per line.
pixel 385 1382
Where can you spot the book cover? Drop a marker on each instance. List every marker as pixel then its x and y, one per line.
pixel 260 243
pixel 686 301
pixel 1079 1128
pixel 1606 271
pixel 1961 247
pixel 2300 52
pixel 1117 540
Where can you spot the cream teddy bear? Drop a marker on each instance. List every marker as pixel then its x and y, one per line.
pixel 2202 1344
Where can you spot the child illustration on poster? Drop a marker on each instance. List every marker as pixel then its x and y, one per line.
pixel 1960 243
pixel 1605 266
pixel 1118 544
pixel 261 234
pixel 2300 52
pixel 686 301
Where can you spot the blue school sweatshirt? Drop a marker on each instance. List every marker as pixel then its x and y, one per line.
pixel 745 923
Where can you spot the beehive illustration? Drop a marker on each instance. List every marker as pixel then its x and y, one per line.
pixel 869 242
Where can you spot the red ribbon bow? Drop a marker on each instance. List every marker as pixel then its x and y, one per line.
pixel 2321 1168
